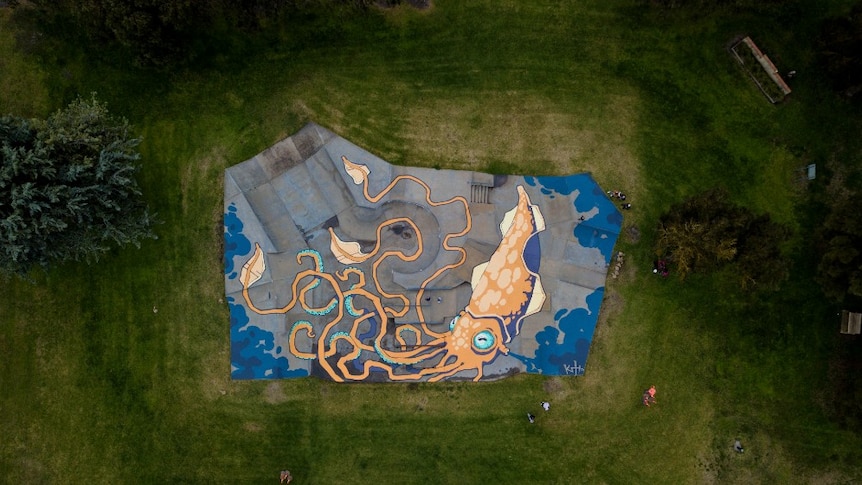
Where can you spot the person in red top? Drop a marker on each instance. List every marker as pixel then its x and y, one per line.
pixel 649 396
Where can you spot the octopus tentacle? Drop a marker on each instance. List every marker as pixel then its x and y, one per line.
pixel 295 294
pixel 401 256
pixel 410 357
pixel 407 328
pixel 390 371
pixel 359 173
pixel 309 332
pixel 447 371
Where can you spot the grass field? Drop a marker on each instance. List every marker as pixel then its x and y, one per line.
pixel 97 388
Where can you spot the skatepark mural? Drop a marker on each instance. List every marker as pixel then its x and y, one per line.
pixel 340 265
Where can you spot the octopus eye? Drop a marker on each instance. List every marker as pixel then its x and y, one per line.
pixel 452 323
pixel 483 340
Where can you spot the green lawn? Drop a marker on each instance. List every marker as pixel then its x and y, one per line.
pixel 97 388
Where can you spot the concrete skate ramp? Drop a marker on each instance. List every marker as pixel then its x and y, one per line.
pixel 342 266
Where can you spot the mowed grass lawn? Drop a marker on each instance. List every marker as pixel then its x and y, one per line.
pixel 96 387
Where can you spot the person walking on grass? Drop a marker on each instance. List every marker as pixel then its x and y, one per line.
pixel 649 396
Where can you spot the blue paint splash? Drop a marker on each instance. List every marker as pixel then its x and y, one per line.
pixel 570 356
pixel 372 330
pixel 533 254
pixel 251 350
pixel 235 242
pixel 563 348
pixel 591 237
pixel 600 231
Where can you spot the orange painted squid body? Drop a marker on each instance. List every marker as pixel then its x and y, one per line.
pixel 506 290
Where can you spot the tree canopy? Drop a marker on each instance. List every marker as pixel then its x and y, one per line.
pixel 156 32
pixel 840 50
pixel 840 245
pixel 164 33
pixel 68 188
pixel 707 232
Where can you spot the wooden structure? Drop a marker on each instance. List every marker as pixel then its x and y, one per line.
pixel 756 63
pixel 851 323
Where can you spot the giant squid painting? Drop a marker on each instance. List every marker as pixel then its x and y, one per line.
pixel 342 266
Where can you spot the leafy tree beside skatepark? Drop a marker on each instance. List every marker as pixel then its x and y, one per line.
pixel 707 231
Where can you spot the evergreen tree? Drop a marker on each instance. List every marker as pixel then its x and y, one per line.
pixel 68 188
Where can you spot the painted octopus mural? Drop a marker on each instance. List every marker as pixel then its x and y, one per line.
pixel 403 286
